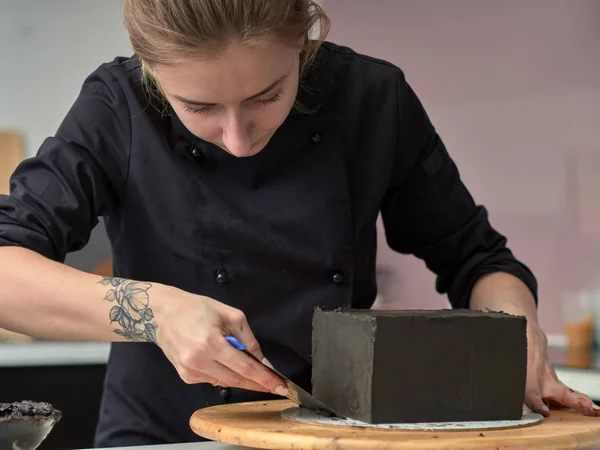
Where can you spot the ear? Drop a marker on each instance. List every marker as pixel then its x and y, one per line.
pixel 151 77
pixel 302 43
pixel 148 71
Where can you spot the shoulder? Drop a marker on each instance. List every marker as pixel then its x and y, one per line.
pixel 340 56
pixel 120 69
pixel 114 92
pixel 351 81
pixel 119 78
pixel 346 65
pixel 102 117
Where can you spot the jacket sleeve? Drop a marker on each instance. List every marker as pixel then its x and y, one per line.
pixel 428 212
pixel 57 196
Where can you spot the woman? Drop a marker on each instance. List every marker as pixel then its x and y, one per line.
pixel 240 169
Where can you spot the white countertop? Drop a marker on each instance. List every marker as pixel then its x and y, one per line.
pixel 208 446
pixel 191 446
pixel 86 353
pixel 53 354
pixel 60 353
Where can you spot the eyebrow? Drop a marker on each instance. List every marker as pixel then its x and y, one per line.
pixel 263 92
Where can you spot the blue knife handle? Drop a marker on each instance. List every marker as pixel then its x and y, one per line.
pixel 237 344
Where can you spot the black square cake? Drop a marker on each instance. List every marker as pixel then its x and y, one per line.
pixel 420 366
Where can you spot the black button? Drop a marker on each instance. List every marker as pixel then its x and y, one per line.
pixel 221 276
pixel 338 278
pixel 316 138
pixel 225 393
pixel 196 152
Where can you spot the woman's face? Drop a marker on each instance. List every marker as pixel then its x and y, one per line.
pixel 236 100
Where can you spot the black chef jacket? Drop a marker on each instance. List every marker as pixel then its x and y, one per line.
pixel 275 234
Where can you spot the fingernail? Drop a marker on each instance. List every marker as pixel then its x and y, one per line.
pixel 596 407
pixel 281 390
pixel 545 409
pixel 266 362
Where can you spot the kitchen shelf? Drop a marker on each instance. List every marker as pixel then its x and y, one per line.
pixel 53 354
pixel 44 353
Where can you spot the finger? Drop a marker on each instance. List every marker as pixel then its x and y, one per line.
pixel 533 400
pixel 204 378
pixel 578 401
pixel 228 378
pixel 249 369
pixel 551 403
pixel 192 377
pixel 210 380
pixel 220 376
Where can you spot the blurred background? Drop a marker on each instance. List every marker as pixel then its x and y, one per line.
pixel 513 88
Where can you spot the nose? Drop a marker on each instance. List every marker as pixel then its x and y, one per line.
pixel 236 134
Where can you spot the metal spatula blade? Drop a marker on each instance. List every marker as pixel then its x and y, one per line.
pixel 295 392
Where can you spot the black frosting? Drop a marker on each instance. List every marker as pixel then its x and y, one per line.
pixel 28 409
pixel 420 366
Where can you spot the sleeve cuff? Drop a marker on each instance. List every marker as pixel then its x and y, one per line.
pixel 460 293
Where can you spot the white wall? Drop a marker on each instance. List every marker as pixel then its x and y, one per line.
pixel 513 88
pixel 47 49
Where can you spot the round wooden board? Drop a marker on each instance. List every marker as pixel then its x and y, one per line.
pixel 260 425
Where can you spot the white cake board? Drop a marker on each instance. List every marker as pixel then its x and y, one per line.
pixel 307 416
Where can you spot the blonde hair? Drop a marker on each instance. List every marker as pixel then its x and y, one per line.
pixel 164 31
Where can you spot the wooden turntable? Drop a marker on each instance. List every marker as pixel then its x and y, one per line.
pixel 261 425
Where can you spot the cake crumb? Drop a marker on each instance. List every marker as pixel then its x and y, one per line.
pixel 27 408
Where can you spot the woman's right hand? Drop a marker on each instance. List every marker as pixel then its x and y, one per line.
pixel 191 331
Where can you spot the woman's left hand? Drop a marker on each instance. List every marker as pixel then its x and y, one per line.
pixel 503 292
pixel 543 386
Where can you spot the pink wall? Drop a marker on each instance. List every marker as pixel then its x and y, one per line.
pixel 513 88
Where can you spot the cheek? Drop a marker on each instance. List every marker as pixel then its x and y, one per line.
pixel 269 118
pixel 206 130
pixel 205 126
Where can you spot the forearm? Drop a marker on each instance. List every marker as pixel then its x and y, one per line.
pixel 48 300
pixel 500 291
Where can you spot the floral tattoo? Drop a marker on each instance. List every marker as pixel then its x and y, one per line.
pixel 131 313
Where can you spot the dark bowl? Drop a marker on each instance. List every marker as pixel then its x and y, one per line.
pixel 24 425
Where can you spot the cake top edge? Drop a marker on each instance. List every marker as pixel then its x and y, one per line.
pixel 429 313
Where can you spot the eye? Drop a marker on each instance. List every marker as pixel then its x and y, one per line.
pixel 192 110
pixel 267 101
pixel 275 98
